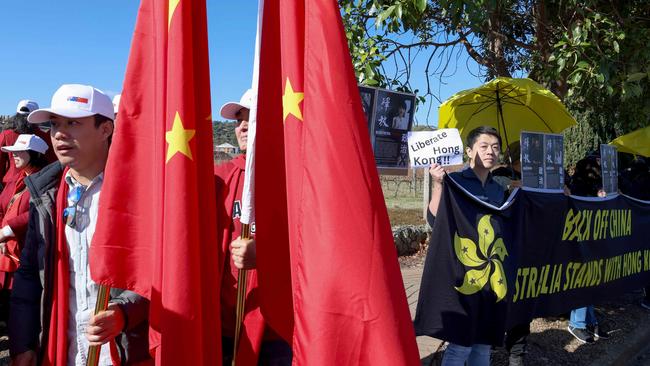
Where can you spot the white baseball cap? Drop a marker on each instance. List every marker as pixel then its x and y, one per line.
pixel 116 102
pixel 230 109
pixel 26 106
pixel 27 142
pixel 75 101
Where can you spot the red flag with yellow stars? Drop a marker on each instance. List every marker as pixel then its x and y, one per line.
pixel 156 231
pixel 327 266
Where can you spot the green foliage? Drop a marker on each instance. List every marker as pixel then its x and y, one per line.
pixel 580 139
pixel 382 31
pixel 367 51
pixel 390 34
pixel 601 53
pixel 224 132
pixel 593 54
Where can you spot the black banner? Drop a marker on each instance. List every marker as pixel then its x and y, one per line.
pixel 541 254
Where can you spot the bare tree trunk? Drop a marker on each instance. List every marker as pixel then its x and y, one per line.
pixel 498 65
pixel 558 87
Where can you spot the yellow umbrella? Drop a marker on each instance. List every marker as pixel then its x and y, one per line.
pixel 509 105
pixel 636 142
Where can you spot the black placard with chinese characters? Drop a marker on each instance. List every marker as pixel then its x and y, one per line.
pixel 368 104
pixel 390 117
pixel 542 159
pixel 609 168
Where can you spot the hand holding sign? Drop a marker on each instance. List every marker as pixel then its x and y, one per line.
pixel 437 172
pixel 443 147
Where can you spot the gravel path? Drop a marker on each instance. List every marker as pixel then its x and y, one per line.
pixel 551 344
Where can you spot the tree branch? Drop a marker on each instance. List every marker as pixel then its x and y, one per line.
pixel 472 52
pixel 399 46
pixel 515 42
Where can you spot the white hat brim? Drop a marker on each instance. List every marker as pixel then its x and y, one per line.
pixel 230 110
pixel 45 114
pixel 13 148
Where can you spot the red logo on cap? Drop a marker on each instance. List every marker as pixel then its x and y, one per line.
pixel 78 100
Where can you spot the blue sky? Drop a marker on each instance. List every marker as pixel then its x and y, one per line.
pixel 47 43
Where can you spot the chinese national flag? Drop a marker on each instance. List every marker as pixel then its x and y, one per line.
pixel 328 270
pixel 156 232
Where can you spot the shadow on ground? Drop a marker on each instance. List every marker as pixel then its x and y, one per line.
pixel 551 344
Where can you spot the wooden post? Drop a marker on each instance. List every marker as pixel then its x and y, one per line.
pixel 426 193
pixel 103 296
pixel 242 279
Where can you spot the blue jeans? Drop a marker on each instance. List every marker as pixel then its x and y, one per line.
pixel 476 355
pixel 582 317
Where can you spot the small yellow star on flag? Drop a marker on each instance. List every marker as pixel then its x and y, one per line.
pixel 178 139
pixel 291 102
pixel 173 4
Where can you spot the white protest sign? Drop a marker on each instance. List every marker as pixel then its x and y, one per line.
pixel 443 146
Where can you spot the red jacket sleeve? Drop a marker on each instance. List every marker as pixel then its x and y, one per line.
pixel 18 223
pixel 5 197
pixel 4 157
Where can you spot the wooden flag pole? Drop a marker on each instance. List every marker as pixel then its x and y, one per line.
pixel 102 304
pixel 248 194
pixel 242 277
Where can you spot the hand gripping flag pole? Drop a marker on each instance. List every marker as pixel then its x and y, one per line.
pixel 102 304
pixel 248 194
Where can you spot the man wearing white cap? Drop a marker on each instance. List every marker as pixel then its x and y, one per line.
pixel 8 138
pixel 62 222
pixel 261 341
pixel 116 104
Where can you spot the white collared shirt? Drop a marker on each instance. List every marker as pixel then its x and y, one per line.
pixel 82 291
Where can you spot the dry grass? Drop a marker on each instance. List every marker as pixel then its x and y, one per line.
pixel 404 216
pixel 403 198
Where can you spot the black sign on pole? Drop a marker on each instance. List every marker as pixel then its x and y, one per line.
pixel 609 168
pixel 542 160
pixel 393 117
pixel 554 161
pixel 368 97
pixel 389 115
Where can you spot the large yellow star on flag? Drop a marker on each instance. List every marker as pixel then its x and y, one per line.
pixel 178 139
pixel 291 102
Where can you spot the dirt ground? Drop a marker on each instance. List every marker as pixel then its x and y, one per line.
pixel 405 216
pixel 551 344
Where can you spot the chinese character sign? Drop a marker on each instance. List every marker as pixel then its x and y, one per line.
pixel 542 160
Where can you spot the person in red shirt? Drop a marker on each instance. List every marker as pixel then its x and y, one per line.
pixel 28 157
pixel 258 344
pixel 9 136
pixel 8 171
